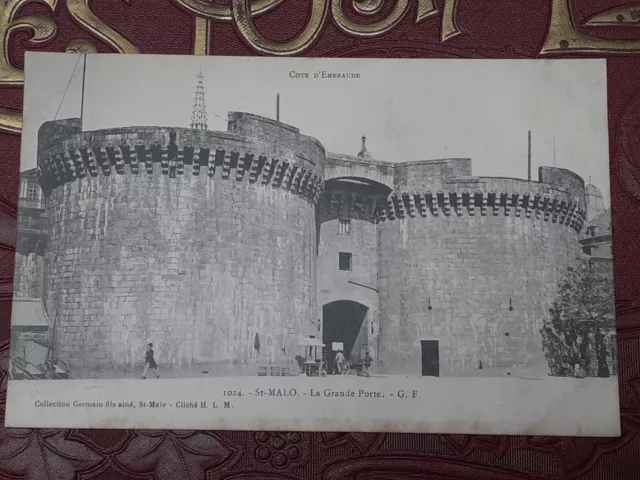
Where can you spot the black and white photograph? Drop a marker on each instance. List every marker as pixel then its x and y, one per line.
pixel 314 244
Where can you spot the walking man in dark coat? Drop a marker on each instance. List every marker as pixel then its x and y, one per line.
pixel 366 372
pixel 149 362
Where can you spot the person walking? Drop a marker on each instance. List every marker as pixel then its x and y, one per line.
pixel 339 362
pixel 149 362
pixel 366 372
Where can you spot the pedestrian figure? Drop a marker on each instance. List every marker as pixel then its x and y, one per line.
pixel 346 367
pixel 149 362
pixel 366 372
pixel 324 367
pixel 339 361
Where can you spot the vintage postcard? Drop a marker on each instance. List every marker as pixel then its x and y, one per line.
pixel 314 244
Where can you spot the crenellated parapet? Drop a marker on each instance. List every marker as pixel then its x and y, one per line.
pixel 526 205
pixel 227 156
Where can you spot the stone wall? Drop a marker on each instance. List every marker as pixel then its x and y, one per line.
pixel 410 176
pixel 452 264
pixel 563 179
pixel 53 132
pixel 199 242
pixel 279 140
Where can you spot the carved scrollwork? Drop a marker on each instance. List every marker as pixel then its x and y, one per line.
pixel 449 27
pixel 425 9
pixel 213 11
pixel 202 36
pixel 42 27
pixel 241 11
pixel 621 16
pixel 207 12
pixel 80 45
pixel 367 7
pixel 381 27
pixel 81 12
pixel 564 38
pixel 10 120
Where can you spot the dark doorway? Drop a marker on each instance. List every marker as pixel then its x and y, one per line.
pixel 430 358
pixel 342 322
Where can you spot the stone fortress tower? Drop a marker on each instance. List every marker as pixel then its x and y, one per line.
pixel 225 249
pixel 452 273
pixel 201 242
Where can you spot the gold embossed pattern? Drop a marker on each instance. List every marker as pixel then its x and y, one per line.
pixel 335 28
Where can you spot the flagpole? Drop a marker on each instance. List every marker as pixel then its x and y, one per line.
pixel 84 75
pixel 529 159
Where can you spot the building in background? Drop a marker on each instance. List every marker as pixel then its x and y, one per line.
pixel 30 323
pixel 597 246
pixel 31 238
pixel 596 238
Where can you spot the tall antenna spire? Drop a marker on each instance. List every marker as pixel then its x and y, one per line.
pixel 278 107
pixel 529 162
pixel 199 115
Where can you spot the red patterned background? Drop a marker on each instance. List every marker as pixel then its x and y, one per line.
pixel 488 29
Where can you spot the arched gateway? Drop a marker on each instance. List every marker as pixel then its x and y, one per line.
pixel 345 327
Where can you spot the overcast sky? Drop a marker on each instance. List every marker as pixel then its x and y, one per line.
pixel 408 109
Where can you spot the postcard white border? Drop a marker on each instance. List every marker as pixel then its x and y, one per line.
pixel 500 406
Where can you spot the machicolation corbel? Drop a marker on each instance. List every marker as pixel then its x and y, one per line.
pixel 446 203
pixel 279 173
pixel 286 179
pixel 390 210
pixel 267 170
pixel 70 169
pixel 472 204
pixel 81 171
pixel 458 203
pixel 494 200
pixel 483 205
pixel 546 208
pixel 254 169
pixel 422 204
pixel 505 201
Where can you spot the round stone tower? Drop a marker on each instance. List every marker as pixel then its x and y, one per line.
pixel 469 267
pixel 201 242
